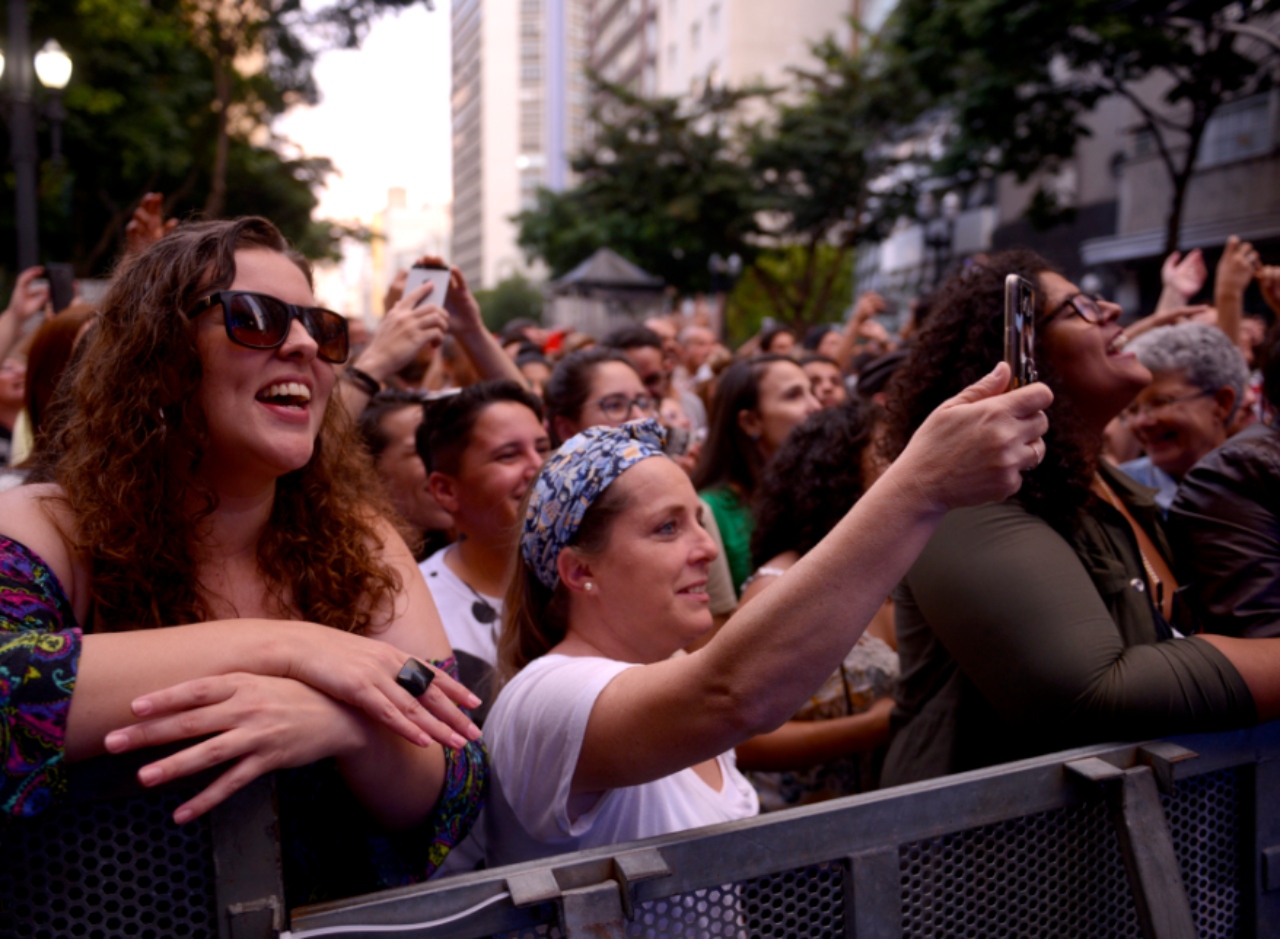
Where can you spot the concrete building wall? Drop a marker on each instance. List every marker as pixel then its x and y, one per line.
pixel 519 114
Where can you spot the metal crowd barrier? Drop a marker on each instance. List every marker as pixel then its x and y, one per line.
pixel 1164 840
pixel 109 862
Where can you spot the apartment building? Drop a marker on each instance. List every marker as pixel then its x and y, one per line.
pixel 519 113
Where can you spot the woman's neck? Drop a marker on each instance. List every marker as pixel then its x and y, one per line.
pixel 235 527
pixel 483 566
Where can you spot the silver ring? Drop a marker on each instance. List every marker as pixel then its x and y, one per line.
pixel 415 678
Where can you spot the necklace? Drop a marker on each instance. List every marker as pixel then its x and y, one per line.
pixel 482 610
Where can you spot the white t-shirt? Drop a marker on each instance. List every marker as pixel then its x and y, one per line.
pixel 535 732
pixel 456 603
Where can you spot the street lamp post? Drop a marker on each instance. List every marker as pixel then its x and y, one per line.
pixel 53 67
pixel 22 134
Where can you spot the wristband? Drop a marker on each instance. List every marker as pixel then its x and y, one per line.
pixel 363 380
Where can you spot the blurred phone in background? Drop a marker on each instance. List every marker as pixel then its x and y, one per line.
pixel 62 285
pixel 438 277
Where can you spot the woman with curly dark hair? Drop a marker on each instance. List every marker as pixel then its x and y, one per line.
pixel 826 749
pixel 1045 622
pixel 208 563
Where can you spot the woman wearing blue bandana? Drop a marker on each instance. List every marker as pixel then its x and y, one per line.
pixel 601 734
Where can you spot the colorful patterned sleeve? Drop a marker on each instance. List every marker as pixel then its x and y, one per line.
pixel 39 652
pixel 333 849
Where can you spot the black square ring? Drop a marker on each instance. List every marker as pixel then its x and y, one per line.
pixel 415 677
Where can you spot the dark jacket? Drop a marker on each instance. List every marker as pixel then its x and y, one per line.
pixel 1225 524
pixel 1016 642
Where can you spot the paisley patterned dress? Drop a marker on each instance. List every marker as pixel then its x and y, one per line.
pixel 332 848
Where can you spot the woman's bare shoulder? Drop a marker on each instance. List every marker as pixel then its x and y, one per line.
pixel 38 517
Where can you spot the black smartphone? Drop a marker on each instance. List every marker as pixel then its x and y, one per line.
pixel 62 284
pixel 678 440
pixel 1021 304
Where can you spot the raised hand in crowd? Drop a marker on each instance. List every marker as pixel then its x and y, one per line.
pixel 1235 270
pixel 1268 277
pixel 1199 313
pixel 418 321
pixel 28 299
pixel 1181 277
pixel 148 224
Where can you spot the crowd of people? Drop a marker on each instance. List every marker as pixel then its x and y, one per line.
pixel 480 598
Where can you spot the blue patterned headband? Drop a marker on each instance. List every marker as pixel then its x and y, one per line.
pixel 572 480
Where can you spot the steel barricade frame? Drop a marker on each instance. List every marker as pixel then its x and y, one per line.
pixel 850 853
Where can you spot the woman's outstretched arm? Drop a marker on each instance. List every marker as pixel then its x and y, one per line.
pixel 774 651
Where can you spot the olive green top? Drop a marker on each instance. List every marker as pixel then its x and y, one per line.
pixel 736 523
pixel 1016 642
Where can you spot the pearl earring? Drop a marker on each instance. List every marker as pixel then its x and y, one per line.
pixel 589 586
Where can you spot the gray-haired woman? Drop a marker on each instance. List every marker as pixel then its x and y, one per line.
pixel 1198 378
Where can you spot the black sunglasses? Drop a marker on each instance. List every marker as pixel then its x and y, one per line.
pixel 259 321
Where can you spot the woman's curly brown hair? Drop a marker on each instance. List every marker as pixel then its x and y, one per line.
pixel 128 451
pixel 961 342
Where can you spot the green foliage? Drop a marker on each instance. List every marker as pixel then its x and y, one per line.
pixel 781 285
pixel 1018 77
pixel 665 186
pixel 142 116
pixel 512 298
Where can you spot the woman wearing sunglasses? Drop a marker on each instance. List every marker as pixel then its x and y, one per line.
pixel 207 562
pixel 1047 621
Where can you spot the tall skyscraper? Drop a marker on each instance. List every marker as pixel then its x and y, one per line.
pixel 519 114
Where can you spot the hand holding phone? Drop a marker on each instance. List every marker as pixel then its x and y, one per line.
pixel 437 276
pixel 1021 305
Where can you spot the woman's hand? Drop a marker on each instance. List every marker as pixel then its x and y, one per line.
pixel 259 722
pixel 460 304
pixel 28 298
pixel 361 672
pixel 406 328
pixel 975 447
pixel 1183 276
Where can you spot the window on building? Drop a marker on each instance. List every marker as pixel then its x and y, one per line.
pixel 695 36
pixel 713 19
pixel 1239 130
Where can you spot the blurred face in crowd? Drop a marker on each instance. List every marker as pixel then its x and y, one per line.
pixel 507 447
pixel 830 344
pixel 1177 423
pixel 782 343
pixel 670 340
pixel 1097 375
pixel 650 366
pixel 263 407
pixel 785 402
pixel 617 395
pixel 537 374
pixel 13 379
pixel 405 474
pixel 826 383
pixel 698 343
pixel 650 595
pixel 672 414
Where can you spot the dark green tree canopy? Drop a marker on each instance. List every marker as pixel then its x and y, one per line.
pixel 1014 79
pixel 161 100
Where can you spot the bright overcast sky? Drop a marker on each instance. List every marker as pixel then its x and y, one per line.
pixel 383 118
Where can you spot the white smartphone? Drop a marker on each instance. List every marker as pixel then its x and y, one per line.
pixel 438 277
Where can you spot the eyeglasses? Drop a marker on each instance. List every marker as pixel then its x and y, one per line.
pixel 259 321
pixel 1137 411
pixel 618 407
pixel 1085 305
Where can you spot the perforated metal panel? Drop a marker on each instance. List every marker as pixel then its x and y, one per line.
pixel 108 869
pixel 1060 873
pixel 1205 818
pixel 801 903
